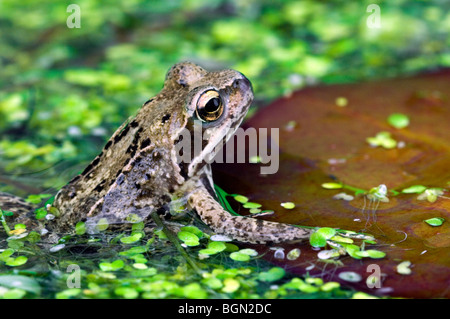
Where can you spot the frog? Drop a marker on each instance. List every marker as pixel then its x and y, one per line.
pixel 139 170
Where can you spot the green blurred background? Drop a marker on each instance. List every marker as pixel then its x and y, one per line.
pixel 64 91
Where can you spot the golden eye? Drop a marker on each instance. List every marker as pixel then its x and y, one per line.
pixel 209 106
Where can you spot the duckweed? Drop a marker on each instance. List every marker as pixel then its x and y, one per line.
pixel 230 285
pixel 273 274
pixel 113 266
pixel 133 238
pixel 213 247
pixel 68 293
pixel 251 205
pixel 241 199
pixel 17 261
pixel 288 205
pixel 255 210
pixel 435 221
pixel 293 254
pixel 102 224
pixel 80 228
pixel 350 276
pixel 403 268
pixel 342 243
pixel 382 139
pixel 239 256
pixel 343 196
pixel 414 189
pixel 14 293
pixel 431 194
pixel 341 101
pixel 188 238
pixel 398 120
pixel 332 185
pixel 372 253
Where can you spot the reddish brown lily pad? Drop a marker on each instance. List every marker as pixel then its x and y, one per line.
pixel 325 142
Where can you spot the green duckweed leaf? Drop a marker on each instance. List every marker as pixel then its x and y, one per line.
pixel 213 247
pixel 398 120
pixel 403 268
pixel 326 232
pixel 230 285
pixel 252 205
pixel 134 250
pixel 332 185
pixel 68 293
pixel 372 253
pixel 317 240
pixel 14 293
pixel 194 230
pixel 273 274
pixel 194 291
pixel 238 256
pixel 22 282
pixel 353 250
pixel 414 189
pixel 249 251
pixel 113 266
pixel 36 199
pixel 80 228
pixel 435 221
pixel 40 213
pixel 328 286
pixel 190 239
pixel 241 199
pixel 293 254
pixel 126 292
pixel 132 238
pixel 212 283
pixel 6 254
pixel 341 239
pixel 18 261
pixel 102 224
pixel 288 205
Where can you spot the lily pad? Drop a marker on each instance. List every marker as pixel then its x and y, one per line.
pixel 327 151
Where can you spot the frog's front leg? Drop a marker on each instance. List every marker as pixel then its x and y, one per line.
pixel 242 228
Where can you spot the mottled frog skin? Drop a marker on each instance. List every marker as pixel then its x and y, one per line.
pixel 138 170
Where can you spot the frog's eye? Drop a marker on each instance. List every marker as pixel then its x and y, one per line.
pixel 209 106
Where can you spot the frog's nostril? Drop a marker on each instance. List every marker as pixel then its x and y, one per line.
pixel 242 83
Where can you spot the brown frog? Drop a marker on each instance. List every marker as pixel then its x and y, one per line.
pixel 139 169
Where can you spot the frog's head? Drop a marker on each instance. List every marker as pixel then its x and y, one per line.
pixel 215 104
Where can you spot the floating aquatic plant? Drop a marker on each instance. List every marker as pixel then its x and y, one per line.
pixel 398 120
pixel 342 245
pixel 382 139
pixel 431 194
pixel 403 268
pixel 435 221
pixel 288 205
